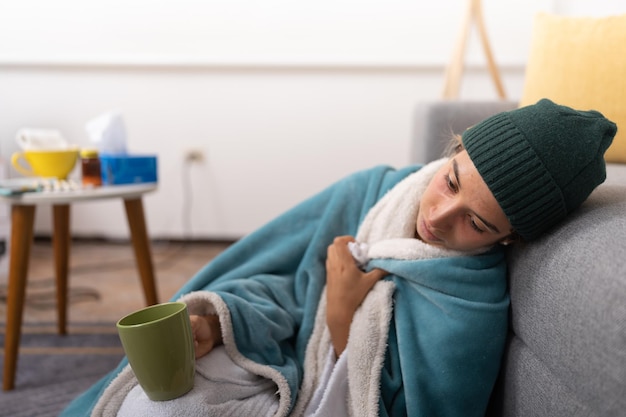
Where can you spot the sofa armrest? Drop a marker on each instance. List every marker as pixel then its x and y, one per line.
pixel 566 353
pixel 436 121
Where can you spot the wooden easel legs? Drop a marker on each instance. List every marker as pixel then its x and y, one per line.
pixel 454 71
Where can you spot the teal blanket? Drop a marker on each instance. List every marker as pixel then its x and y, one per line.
pixel 449 321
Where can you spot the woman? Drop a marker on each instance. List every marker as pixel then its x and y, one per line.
pixel 409 317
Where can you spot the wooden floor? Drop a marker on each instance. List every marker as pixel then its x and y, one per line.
pixel 104 282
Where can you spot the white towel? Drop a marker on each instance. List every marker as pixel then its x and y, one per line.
pixel 33 139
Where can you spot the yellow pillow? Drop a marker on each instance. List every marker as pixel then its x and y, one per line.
pixel 581 62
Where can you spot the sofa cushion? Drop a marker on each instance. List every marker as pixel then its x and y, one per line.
pixel 567 354
pixel 579 62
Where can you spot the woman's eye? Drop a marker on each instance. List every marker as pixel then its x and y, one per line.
pixel 475 226
pixel 451 185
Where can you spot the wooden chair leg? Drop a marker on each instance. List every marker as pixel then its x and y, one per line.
pixel 61 245
pixel 22 219
pixel 141 245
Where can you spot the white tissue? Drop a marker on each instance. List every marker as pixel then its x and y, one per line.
pixel 108 133
pixel 31 139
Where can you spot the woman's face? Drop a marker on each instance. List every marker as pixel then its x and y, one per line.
pixel 458 211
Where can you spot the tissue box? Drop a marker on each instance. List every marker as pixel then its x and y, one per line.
pixel 128 169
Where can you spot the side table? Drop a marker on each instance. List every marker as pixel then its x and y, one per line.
pixel 22 220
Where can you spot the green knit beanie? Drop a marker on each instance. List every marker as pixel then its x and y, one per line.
pixel 540 161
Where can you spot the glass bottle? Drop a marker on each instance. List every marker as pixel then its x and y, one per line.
pixel 90 167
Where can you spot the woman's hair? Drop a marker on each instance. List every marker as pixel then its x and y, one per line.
pixel 454 146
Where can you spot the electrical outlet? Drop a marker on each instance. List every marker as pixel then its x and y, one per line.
pixel 194 156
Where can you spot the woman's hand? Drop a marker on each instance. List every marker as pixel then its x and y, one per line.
pixel 346 288
pixel 207 333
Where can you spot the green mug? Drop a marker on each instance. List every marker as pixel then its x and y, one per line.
pixel 159 345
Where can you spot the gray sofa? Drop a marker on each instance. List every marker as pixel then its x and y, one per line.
pixel 566 353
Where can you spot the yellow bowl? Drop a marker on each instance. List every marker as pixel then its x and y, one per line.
pixel 50 163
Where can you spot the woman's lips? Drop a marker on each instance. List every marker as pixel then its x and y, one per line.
pixel 427 234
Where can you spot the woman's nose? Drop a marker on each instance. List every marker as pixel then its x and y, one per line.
pixel 442 214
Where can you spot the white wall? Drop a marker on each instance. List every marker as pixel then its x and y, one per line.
pixel 588 7
pixel 279 32
pixel 282 97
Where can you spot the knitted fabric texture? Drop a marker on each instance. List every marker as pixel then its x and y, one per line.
pixel 540 161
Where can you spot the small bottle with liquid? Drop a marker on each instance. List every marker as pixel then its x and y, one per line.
pixel 90 168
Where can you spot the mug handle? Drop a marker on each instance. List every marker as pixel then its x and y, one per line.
pixel 15 161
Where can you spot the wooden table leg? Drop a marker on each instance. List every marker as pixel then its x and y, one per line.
pixel 22 219
pixel 141 244
pixel 61 245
